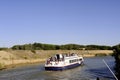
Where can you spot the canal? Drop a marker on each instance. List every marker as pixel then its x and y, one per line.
pixel 92 68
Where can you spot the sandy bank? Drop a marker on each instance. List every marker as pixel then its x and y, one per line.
pixel 14 57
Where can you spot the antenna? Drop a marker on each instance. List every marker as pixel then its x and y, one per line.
pixel 110 70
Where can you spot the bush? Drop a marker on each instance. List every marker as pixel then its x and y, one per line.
pixel 2 66
pixel 100 54
pixel 33 51
pixel 25 57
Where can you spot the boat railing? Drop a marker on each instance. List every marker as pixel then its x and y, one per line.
pixel 60 57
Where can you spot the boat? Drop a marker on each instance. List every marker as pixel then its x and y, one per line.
pixel 63 61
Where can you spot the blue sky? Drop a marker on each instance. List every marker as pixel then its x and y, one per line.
pixel 82 22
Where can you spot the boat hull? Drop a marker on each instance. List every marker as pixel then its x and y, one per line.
pixel 51 68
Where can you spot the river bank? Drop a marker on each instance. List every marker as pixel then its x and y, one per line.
pixel 12 58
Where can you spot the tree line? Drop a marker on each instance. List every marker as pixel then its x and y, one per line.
pixel 40 46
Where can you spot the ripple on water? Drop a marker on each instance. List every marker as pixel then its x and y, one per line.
pixel 92 68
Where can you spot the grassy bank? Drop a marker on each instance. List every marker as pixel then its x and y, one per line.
pixel 17 57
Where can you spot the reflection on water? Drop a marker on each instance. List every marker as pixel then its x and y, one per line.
pixel 72 74
pixel 92 68
pixel 99 69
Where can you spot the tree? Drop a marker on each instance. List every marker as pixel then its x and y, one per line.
pixel 117 59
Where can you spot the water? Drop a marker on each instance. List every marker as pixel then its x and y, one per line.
pixel 92 68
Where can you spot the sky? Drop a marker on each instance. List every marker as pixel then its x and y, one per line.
pixel 83 22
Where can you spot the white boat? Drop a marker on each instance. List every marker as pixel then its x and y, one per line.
pixel 63 61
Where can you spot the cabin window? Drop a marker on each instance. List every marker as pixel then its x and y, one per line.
pixel 80 59
pixel 75 60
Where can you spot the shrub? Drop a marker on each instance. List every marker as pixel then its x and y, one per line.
pixel 25 57
pixel 100 54
pixel 2 66
pixel 33 51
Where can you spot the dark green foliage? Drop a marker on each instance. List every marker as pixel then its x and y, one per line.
pixel 40 46
pixel 98 47
pixel 33 51
pixel 116 52
pixel 100 54
pixel 117 59
pixel 71 47
pixel 18 47
pixel 3 48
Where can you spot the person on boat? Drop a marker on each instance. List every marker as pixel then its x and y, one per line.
pixel 51 59
pixel 63 57
pixel 48 60
pixel 55 58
